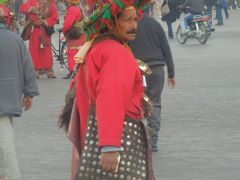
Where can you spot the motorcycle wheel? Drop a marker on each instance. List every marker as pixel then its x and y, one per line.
pixel 181 38
pixel 205 36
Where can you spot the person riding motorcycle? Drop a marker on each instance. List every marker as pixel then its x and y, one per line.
pixel 196 7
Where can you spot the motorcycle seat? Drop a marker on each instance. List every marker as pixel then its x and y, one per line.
pixel 198 18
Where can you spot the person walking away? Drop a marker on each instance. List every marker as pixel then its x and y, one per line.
pixel 44 15
pixel 225 8
pixel 172 16
pixel 72 32
pixel 150 36
pixel 208 11
pixel 17 88
pixel 109 86
pixel 219 7
pixel 195 8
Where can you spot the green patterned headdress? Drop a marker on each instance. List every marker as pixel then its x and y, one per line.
pixel 102 13
pixel 3 2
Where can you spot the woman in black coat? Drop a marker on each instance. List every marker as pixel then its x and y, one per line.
pixel 173 15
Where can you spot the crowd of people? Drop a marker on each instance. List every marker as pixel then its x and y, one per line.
pixel 108 89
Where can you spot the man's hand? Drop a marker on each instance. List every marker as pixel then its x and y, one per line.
pixel 26 103
pixel 171 82
pixel 110 161
pixel 34 9
pixel 38 22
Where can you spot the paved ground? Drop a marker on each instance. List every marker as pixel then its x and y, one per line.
pixel 200 133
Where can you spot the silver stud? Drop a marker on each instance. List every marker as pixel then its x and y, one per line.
pixel 143 174
pixel 98 171
pixel 121 169
pixel 123 163
pixel 94 163
pixel 128 177
pixel 121 176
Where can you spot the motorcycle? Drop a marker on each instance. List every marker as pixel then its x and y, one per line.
pixel 199 29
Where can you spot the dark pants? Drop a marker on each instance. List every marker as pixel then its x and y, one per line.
pixel 155 83
pixel 219 14
pixel 170 30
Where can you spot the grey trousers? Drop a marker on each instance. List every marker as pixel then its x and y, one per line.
pixel 9 169
pixel 155 83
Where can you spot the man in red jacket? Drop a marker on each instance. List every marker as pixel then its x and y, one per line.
pixel 73 33
pixel 109 91
pixel 44 14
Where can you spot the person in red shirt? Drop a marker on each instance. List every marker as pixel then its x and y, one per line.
pixel 44 14
pixel 73 33
pixel 109 91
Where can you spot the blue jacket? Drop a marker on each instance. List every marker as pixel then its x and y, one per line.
pixel 17 76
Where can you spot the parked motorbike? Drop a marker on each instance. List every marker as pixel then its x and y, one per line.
pixel 199 29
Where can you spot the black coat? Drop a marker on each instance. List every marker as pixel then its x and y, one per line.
pixel 210 2
pixel 174 13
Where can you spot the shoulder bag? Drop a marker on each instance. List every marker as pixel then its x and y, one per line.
pixel 165 9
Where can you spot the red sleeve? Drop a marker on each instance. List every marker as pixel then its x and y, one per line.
pixel 53 18
pixel 69 19
pixel 112 71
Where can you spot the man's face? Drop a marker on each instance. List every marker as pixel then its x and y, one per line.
pixel 127 23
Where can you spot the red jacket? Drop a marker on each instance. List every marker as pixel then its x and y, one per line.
pixel 113 82
pixel 73 14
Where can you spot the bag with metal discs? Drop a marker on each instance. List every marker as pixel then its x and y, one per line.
pixel 135 162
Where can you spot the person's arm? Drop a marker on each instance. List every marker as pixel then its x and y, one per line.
pixel 167 56
pixel 53 18
pixel 69 19
pixel 114 90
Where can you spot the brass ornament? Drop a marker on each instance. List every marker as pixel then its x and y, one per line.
pixel 145 69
